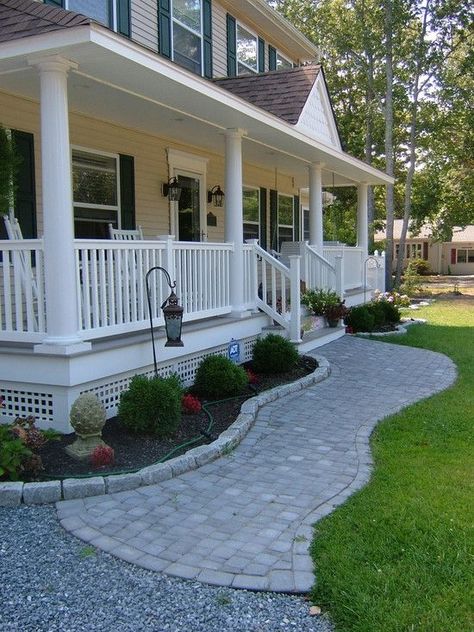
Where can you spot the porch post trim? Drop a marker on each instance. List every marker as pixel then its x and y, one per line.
pixel 316 206
pixel 59 258
pixel 362 217
pixel 234 217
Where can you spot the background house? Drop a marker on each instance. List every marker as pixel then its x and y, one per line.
pixel 450 257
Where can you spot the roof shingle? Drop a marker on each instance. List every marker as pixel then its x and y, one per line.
pixel 24 18
pixel 280 92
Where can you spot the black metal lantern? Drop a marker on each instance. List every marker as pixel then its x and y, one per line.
pixel 173 314
pixel 171 189
pixel 216 194
pixel 173 320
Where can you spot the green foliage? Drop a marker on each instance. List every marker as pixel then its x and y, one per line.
pixel 390 311
pixel 411 284
pixel 219 377
pixel 274 354
pixel 405 540
pixel 13 453
pixel 319 300
pixel 360 319
pixel 418 266
pixel 151 406
pixel 9 163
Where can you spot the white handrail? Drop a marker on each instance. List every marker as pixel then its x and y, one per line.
pixel 318 272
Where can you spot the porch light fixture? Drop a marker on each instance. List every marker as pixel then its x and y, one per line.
pixel 172 311
pixel 216 195
pixel 171 189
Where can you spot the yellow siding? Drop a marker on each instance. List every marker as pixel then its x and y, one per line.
pixel 151 167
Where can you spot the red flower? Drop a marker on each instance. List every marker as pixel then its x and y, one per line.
pixel 190 404
pixel 252 377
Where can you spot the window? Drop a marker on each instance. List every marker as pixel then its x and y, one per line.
pixel 282 63
pixel 102 11
pixel 247 51
pixel 187 34
pixel 251 206
pixel 95 185
pixel 414 251
pixel 306 224
pixel 465 255
pixel 285 219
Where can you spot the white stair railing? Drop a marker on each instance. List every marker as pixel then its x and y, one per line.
pixel 278 290
pixel 318 272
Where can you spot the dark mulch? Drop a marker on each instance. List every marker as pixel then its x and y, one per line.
pixel 133 452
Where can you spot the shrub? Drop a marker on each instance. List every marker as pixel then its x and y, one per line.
pixel 377 309
pixel 190 404
pixel 102 455
pixel 418 266
pixel 360 319
pixel 151 405
pixel 274 354
pixel 391 311
pixel 13 454
pixel 219 377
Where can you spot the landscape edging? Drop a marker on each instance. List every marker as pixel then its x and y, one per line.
pixel 14 493
pixel 402 329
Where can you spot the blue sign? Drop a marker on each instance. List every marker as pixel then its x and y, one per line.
pixel 233 351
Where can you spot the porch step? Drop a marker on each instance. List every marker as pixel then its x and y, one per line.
pixel 320 337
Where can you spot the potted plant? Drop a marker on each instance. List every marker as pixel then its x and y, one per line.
pixel 335 312
pixel 321 301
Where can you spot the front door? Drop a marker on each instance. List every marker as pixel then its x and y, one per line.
pixel 189 208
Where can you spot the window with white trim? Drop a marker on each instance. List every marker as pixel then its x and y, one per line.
pixel 247 51
pixel 103 11
pixel 465 255
pixel 414 251
pixel 285 219
pixel 251 213
pixel 282 63
pixel 187 34
pixel 95 189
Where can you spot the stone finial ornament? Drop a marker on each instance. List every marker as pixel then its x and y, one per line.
pixel 87 418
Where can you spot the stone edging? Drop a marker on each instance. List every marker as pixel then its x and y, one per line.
pixel 15 493
pixel 402 329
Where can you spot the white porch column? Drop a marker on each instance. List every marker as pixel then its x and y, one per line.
pixel 234 217
pixel 316 207
pixel 362 217
pixel 60 278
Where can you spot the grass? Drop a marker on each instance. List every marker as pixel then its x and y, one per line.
pixel 399 555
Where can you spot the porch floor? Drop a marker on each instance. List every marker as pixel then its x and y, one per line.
pixel 245 520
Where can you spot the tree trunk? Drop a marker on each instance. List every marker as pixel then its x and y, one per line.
pixel 389 166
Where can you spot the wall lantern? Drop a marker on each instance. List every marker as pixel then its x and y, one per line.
pixel 216 195
pixel 171 189
pixel 173 314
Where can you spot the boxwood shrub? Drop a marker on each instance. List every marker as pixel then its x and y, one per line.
pixel 151 406
pixel 218 377
pixel 273 354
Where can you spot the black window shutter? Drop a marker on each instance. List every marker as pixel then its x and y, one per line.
pixel 123 17
pixel 56 3
pixel 127 192
pixel 25 189
pixel 296 217
pixel 263 218
pixel 231 47
pixel 425 250
pixel 261 55
pixel 273 219
pixel 207 37
pixel 272 58
pixel 164 27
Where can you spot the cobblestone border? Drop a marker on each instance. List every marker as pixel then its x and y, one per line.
pixel 402 329
pixel 15 493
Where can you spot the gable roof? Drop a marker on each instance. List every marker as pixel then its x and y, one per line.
pixel 460 234
pixel 24 18
pixel 280 92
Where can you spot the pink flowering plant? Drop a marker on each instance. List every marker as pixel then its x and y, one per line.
pixel 397 299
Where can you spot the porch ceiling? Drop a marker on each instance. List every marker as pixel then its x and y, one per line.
pixel 120 81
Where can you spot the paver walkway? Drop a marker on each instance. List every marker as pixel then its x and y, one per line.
pixel 245 519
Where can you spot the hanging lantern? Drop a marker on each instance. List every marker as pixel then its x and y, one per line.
pixel 171 189
pixel 173 314
pixel 216 194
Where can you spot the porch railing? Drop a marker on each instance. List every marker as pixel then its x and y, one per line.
pixel 22 295
pixel 317 271
pixel 111 277
pixel 352 264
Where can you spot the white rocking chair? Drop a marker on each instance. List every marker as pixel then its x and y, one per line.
pixel 126 235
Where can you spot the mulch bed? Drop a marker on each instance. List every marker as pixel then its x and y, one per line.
pixel 133 452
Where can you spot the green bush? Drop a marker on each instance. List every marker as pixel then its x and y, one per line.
pixel 418 266
pixel 391 311
pixel 377 309
pixel 151 405
pixel 360 318
pixel 274 354
pixel 219 377
pixel 13 455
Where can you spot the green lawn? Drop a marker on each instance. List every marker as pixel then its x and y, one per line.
pixel 399 555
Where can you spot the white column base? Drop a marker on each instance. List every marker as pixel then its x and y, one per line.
pixel 64 348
